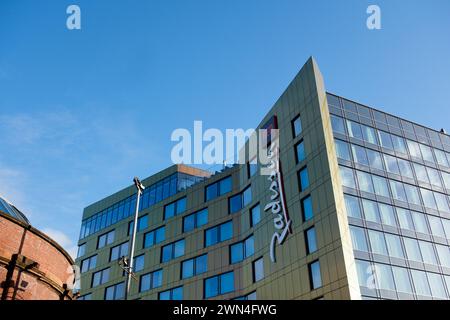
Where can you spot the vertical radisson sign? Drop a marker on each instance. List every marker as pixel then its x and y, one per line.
pixel 277 203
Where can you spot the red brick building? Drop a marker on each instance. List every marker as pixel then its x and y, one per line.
pixel 32 265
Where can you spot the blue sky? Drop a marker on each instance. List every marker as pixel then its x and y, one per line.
pixel 82 112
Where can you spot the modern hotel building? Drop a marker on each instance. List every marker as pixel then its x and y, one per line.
pixel 367 194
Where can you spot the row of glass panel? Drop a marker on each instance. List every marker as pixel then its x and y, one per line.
pixel 153 194
pixel 394 246
pixel 404 192
pixel 388 215
pixel 391 123
pixel 392 278
pixel 390 141
pixel 381 161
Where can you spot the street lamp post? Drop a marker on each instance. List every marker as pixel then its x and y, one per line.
pixel 140 188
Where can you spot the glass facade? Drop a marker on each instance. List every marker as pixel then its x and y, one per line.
pixel 394 174
pixel 123 209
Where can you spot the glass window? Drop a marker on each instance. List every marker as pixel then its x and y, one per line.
pixel 337 124
pixel 218 233
pixel 258 270
pixel 352 206
pixel 377 242
pixel 365 274
pixel 255 215
pixel 391 164
pixel 365 182
pixel 436 226
pixel 387 214
pixel 412 249
pixel 374 158
pixel 428 198
pixel 211 191
pixel 172 250
pixel 369 134
pixel 402 282
pixel 446 224
pixel 88 264
pixel 119 251
pixel 441 158
pixel 434 177
pixel 380 185
pixel 81 250
pixel 218 285
pixel 420 283
pixel 300 151
pixel 404 218
pixel 420 222
pixel 371 211
pixel 405 168
pixel 237 252
pixel 218 188
pixel 105 239
pixel 150 281
pixel 307 208
pixel 426 248
pixel 172 294
pixel 427 154
pixel 394 246
pixel 354 130
pixel 247 196
pixel 441 201
pixel 359 155
pixel 398 192
pixel 311 241
pixel 315 275
pixel 342 150
pixel 446 178
pixel 399 144
pixel 139 263
pixel 100 277
pixel 303 178
pixel 225 185
pixel 421 173
pixel 153 237
pixel 297 126
pixel 436 285
pixel 412 194
pixel 444 255
pixel 187 269
pixel 414 149
pixel 195 220
pixel 385 139
pixel 115 292
pixel 194 266
pixel 348 179
pixel 235 203
pixel 358 239
pixel 384 277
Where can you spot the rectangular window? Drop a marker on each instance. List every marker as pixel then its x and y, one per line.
pixel 347 177
pixel 297 126
pixel 219 285
pixel 377 242
pixel 150 280
pixel 255 215
pixel 105 239
pixel 218 188
pixel 311 240
pixel 172 250
pixel 88 264
pixel 195 220
pixel 252 168
pixel 242 250
pixel 354 130
pixel 139 263
pixel 384 277
pixel 194 266
pixel 258 269
pixel 371 212
pixel 142 224
pixel 342 150
pixel 81 250
pixel 115 292
pixel 100 277
pixel 421 283
pixel 315 275
pixel 218 233
pixel 303 179
pixel 307 208
pixel 240 200
pixel 300 151
pixel 352 206
pixel 337 124
pixel 175 208
pixel 359 240
pixel 172 294
pixel 359 155
pixel 154 237
pixel 119 251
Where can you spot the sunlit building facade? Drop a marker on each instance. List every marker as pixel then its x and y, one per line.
pixel 365 198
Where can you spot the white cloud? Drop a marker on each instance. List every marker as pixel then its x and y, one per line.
pixel 63 240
